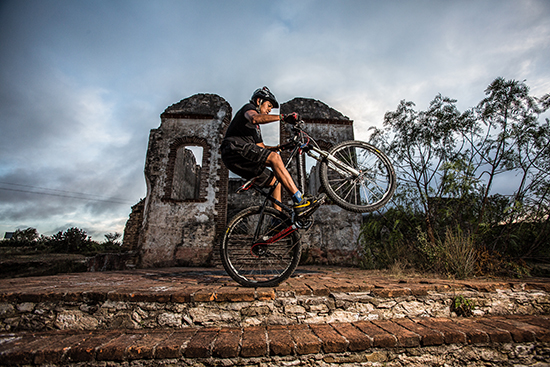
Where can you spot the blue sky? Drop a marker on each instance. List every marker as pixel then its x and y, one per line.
pixel 83 82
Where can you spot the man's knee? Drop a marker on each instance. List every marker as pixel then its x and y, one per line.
pixel 274 159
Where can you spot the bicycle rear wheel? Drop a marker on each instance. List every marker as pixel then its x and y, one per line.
pixel 366 192
pixel 254 262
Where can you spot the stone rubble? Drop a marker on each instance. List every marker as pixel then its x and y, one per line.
pixel 281 310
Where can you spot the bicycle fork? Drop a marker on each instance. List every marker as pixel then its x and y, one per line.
pixel 339 166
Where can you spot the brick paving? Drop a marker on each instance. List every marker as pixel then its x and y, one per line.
pixel 213 285
pixel 58 347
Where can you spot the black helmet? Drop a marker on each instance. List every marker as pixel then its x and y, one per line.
pixel 264 94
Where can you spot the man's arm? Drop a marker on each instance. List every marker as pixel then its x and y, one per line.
pixel 275 148
pixel 258 119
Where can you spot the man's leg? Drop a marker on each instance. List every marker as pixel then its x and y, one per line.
pixel 277 193
pixel 276 163
pixel 303 207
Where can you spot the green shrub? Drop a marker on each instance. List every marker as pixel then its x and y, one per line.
pixel 388 237
pixel 463 306
pixel 455 255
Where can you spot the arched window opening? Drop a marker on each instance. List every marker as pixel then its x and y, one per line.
pixel 187 173
pixel 313 178
pixel 312 168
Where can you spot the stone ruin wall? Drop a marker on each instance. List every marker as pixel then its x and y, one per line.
pixel 172 227
pixel 178 230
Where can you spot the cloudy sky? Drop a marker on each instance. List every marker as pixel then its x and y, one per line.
pixel 83 82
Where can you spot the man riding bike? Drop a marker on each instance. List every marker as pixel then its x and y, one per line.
pixel 245 154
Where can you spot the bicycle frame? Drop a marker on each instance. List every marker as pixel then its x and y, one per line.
pixel 299 146
pixel 262 246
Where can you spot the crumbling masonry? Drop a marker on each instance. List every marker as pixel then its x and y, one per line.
pixel 190 196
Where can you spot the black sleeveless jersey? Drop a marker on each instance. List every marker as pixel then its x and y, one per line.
pixel 242 130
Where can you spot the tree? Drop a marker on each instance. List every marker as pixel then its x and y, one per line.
pixel 423 146
pixel 448 164
pixel 24 237
pixel 112 243
pixel 73 240
pixel 112 238
pixel 509 114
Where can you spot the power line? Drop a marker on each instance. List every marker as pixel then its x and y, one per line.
pixel 45 188
pixel 62 193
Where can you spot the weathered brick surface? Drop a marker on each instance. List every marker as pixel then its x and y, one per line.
pixel 494 334
pixel 391 292
pixel 174 344
pixel 209 294
pixel 236 294
pixel 52 350
pixel 428 336
pixel 317 288
pixel 115 350
pixel 519 335
pixel 86 351
pixel 18 349
pixel 444 326
pixel 185 285
pixel 305 340
pixel 405 338
pixel 254 342
pixel 265 294
pixel 163 314
pixel 542 320
pixel 119 346
pixel 474 335
pixel 540 333
pixel 144 348
pixel 332 342
pixel 357 340
pixel 280 341
pixel 227 343
pixel 200 345
pixel 380 337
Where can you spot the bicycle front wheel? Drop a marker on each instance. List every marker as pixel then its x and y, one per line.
pixel 249 257
pixel 369 188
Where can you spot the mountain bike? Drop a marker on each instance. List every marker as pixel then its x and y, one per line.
pixel 261 246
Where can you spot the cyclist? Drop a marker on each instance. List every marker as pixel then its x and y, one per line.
pixel 245 154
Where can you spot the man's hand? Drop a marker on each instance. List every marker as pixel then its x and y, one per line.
pixel 277 148
pixel 291 118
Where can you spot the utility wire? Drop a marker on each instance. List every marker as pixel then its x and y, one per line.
pixel 62 193
pixel 45 188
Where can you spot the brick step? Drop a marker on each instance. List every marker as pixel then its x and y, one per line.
pixel 194 297
pixel 331 340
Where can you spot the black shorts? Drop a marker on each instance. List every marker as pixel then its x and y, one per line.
pixel 248 161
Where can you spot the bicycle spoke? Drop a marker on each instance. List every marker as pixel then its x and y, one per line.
pixel 368 190
pixel 255 262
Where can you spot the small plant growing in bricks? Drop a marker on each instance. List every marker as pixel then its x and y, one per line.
pixel 462 306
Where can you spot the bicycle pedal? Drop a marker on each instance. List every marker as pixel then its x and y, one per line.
pixel 304 223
